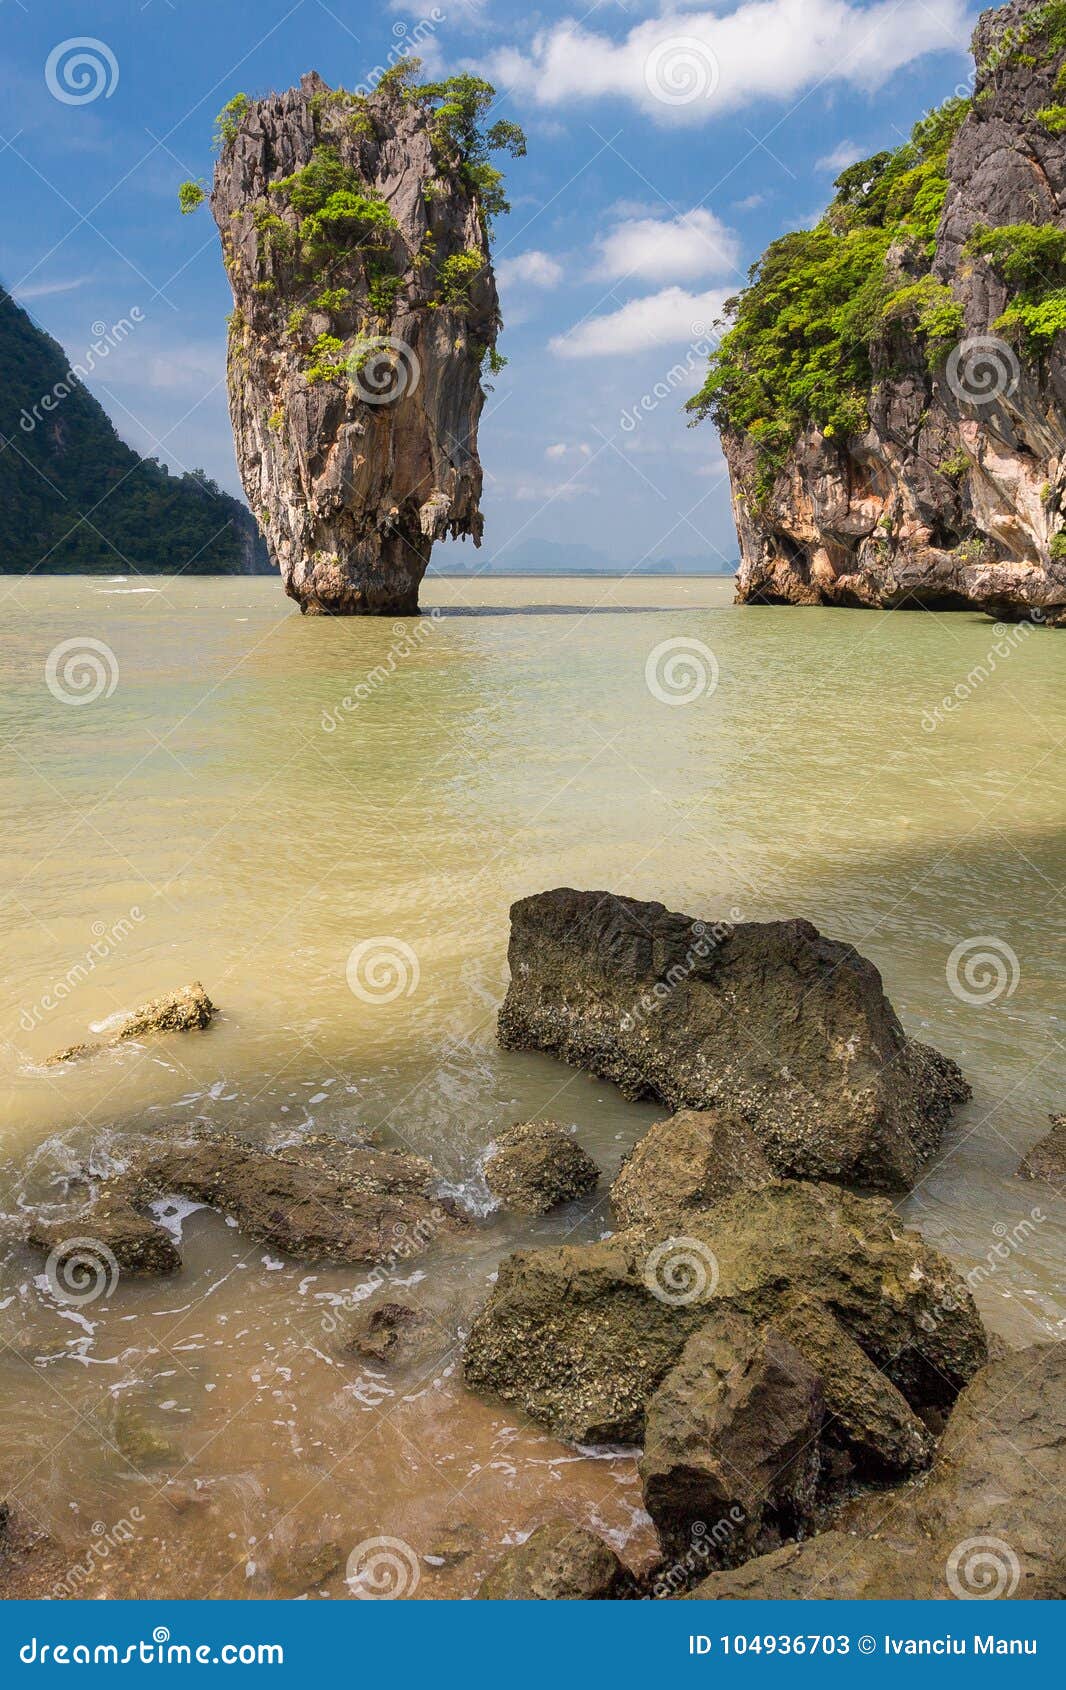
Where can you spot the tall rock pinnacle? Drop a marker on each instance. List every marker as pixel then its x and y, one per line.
pixel 355 234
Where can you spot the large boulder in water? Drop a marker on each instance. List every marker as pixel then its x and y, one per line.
pixel 357 249
pixel 580 1336
pixel 770 1019
pixel 987 1522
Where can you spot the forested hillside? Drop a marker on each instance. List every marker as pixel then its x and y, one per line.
pixel 77 500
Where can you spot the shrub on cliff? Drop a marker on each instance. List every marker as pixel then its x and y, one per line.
pixel 798 351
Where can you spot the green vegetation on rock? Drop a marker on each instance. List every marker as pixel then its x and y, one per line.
pixel 799 349
pixel 228 120
pixel 190 197
pixel 456 277
pixel 1031 259
pixel 459 105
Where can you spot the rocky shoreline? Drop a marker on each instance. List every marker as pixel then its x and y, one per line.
pixel 813 1391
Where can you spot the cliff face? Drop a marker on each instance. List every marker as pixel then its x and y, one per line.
pixel 365 304
pixel 955 494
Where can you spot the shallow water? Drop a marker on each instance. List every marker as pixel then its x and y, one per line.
pixel 258 795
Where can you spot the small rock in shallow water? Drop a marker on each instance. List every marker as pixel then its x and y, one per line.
pixel 325 1201
pixel 176 1012
pixel 395 1335
pixel 1047 1159
pixel 536 1166
pixel 559 1562
pixel 306 1567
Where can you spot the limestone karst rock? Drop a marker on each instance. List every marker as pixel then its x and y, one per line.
pixel 768 1020
pixel 355 235
pixel 914 456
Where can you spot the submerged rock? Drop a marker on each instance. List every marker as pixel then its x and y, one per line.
pixel 690 1161
pixel 33 1564
pixel 182 1011
pixel 306 1567
pixel 394 1334
pixel 535 1166
pixel 137 1243
pixel 1047 1158
pixel 354 232
pixel 579 1336
pixel 769 1020
pixel 559 1562
pixel 987 1521
pixel 321 1200
pixel 297 1202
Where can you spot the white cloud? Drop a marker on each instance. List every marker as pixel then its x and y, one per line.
pixel 689 66
pixel 679 249
pixel 41 290
pixel 667 318
pixel 535 269
pixel 752 202
pixel 840 157
pixel 562 450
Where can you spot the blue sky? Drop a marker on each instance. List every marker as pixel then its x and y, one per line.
pixel 667 145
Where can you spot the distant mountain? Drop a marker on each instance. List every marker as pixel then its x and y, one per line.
pixel 77 500
pixel 558 557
